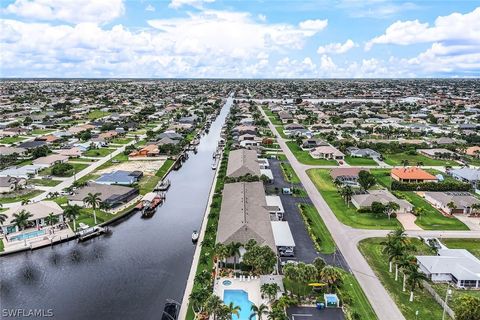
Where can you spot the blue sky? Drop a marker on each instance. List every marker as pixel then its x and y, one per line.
pixel 239 39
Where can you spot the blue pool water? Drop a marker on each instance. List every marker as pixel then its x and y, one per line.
pixel 227 282
pixel 28 235
pixel 239 298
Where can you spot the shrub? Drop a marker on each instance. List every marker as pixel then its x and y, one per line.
pixel 431 186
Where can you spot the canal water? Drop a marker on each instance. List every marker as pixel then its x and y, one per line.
pixel 128 274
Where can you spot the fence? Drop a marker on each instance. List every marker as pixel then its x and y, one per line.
pixel 439 299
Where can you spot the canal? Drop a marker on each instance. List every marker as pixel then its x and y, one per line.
pixel 128 274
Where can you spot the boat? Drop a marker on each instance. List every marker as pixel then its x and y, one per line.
pixel 150 202
pixel 163 185
pixel 195 142
pixel 91 232
pixel 170 310
pixel 214 165
pixel 195 236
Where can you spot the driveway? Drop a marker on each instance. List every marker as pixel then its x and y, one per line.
pixel 311 313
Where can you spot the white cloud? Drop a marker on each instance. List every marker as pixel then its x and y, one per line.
pixel 337 47
pixel 76 11
pixel 455 27
pixel 378 9
pixel 313 26
pixel 150 8
pixel 262 17
pixel 175 4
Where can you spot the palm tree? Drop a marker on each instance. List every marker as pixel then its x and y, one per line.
pixel 405 264
pixel 72 212
pixel 347 194
pixel 234 310
pixel 3 218
pixel 391 207
pixel 452 206
pixel 259 311
pixel 415 279
pixel 221 252
pixel 234 251
pixel 93 199
pixel 20 219
pixel 331 276
pixel 270 290
pixel 51 219
pixel 25 202
pixel 213 305
pixel 405 162
pixel 475 208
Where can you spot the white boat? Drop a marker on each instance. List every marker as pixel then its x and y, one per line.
pixel 195 236
pixel 214 166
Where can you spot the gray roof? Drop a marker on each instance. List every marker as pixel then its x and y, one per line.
pixel 382 196
pixel 467 174
pixel 11 150
pixel 242 162
pixel 458 262
pixel 243 215
pixel 106 191
pixel 461 199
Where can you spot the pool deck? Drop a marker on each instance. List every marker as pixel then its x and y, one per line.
pixel 252 287
pixel 39 241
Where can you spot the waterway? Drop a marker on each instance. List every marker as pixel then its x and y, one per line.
pixel 128 274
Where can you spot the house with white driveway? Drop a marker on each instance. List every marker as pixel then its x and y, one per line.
pixel 463 201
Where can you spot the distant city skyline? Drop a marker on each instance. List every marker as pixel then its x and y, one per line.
pixel 239 39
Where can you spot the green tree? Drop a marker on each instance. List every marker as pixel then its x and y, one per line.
pixel 258 311
pixel 93 200
pixel 415 277
pixel 391 207
pixel 270 290
pixel 366 180
pixel 331 276
pixel 467 307
pixel 3 218
pixel 51 219
pixel 213 305
pixel 20 219
pixel 234 310
pixel 72 212
pixel 220 252
pixel 347 193
pixel 234 251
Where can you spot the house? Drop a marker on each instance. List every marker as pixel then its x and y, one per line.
pixel 111 195
pixel 30 145
pixel 346 175
pixel 363 153
pixel 120 177
pixel 313 143
pixel 74 152
pixel 50 138
pixel 24 172
pixel 383 196
pixel 285 117
pixel 457 266
pixel 50 160
pixel 437 153
pixel 188 120
pixel 7 151
pixel 242 129
pixel 166 141
pixel 327 152
pixel 463 201
pixel 150 150
pixel 39 210
pixel 242 162
pixel 80 128
pixel 412 175
pixel 10 184
pixel 170 134
pixel 243 215
pixel 472 151
pixel 468 175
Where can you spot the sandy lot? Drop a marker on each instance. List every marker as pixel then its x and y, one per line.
pixel 147 167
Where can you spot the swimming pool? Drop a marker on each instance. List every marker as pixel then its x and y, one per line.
pixel 239 298
pixel 227 282
pixel 27 235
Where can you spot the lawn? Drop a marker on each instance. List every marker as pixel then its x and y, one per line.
pixel 77 167
pixel 122 140
pixel 165 167
pixel 44 182
pixel 86 216
pixel 25 196
pixel 61 201
pixel 121 157
pixel 147 183
pixel 289 173
pixel 96 114
pixel 395 159
pixel 101 152
pixel 428 308
pixel 10 140
pixel 273 118
pixel 84 160
pixel 317 229
pixel 280 132
pixel 305 158
pixel 430 218
pixel 356 161
pixel 37 132
pixel 472 245
pixel 347 214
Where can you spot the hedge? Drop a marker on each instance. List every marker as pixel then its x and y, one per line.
pixel 431 186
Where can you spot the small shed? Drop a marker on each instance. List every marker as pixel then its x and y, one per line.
pixel 331 300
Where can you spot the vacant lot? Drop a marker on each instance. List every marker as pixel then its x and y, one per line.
pixel 396 159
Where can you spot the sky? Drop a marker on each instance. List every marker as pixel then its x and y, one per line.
pixel 239 38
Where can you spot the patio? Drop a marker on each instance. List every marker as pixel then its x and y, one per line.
pixel 36 238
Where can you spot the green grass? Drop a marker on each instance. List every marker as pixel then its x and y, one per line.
pixel 84 160
pixel 96 114
pixel 317 229
pixel 86 216
pixel 77 167
pixel 427 307
pixel 395 159
pixel 164 168
pixel 305 157
pixel 273 118
pixel 37 132
pixel 61 201
pixel 122 140
pixel 100 153
pixel 10 140
pixel 382 176
pixel 472 245
pixel 118 158
pixel 88 177
pixel 289 173
pixel 281 132
pixel 356 161
pixel 147 183
pixel 1 246
pixel 347 215
pixel 44 182
pixel 359 303
pixel 25 196
pixel 430 218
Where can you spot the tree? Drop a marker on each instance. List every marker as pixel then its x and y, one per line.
pixel 391 207
pixel 61 169
pixel 213 305
pixel 475 208
pixel 347 193
pixel 331 276
pixel 221 252
pixel 452 206
pixel 377 208
pixel 72 212
pixel 25 202
pixel 319 264
pixel 3 218
pixel 467 307
pixel 414 279
pixel 262 259
pixel 395 246
pixel 197 299
pixel 234 310
pixel 270 290
pixel 405 162
pixel 366 180
pixel 234 251
pixel 405 264
pixel 20 219
pixel 51 219
pixel 259 311
pixel 93 200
